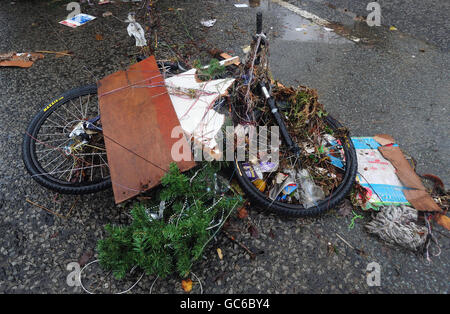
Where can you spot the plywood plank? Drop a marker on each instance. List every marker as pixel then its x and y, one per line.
pixel 137 118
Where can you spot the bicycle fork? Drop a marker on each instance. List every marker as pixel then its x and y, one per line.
pixel 293 147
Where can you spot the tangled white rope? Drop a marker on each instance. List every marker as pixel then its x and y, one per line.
pixel 398 225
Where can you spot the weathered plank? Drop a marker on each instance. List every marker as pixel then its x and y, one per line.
pixel 137 119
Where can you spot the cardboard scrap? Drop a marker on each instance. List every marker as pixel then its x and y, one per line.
pixel 22 59
pixel 77 20
pixel 376 174
pixel 196 115
pixel 416 192
pixel 384 139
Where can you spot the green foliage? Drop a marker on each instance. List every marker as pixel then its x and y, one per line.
pixel 214 70
pixel 174 242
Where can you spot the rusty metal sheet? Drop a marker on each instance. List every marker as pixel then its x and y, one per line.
pixel 137 119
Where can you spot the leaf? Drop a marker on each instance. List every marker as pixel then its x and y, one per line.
pixel 219 252
pixel 186 285
pixel 242 213
pixel 98 37
pixel 443 220
pixel 345 209
pixel 85 258
pixel 271 234
pixel 392 28
pixel 253 231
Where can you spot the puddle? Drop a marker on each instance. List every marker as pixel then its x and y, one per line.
pixel 294 27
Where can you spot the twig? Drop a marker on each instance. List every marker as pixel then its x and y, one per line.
pixel 252 255
pixel 345 241
pixel 46 209
pixel 55 52
pixel 52 212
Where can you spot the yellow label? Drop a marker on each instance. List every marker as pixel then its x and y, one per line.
pixel 52 103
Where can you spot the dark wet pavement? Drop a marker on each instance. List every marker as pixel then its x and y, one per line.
pixel 390 82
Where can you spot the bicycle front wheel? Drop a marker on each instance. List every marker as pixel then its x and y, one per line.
pixel 330 160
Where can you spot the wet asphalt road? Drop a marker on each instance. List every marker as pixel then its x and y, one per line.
pixel 385 84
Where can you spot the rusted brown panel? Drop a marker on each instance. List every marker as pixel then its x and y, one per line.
pixel 137 122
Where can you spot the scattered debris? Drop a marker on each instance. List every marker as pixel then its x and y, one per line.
pixel 53 212
pixel 219 253
pixel 78 20
pixel 107 13
pixel 232 238
pixel 208 23
pixel 58 54
pixel 22 59
pixel 358 251
pixel 135 29
pixel 352 223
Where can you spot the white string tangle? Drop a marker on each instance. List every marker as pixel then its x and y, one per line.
pixel 121 292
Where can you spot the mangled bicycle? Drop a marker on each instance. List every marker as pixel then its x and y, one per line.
pixel 64 148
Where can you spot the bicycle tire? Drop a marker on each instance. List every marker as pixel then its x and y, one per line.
pixel 261 201
pixel 29 148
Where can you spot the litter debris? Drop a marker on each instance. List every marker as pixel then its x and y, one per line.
pixel 246 49
pixel 194 114
pixel 208 23
pixel 78 20
pixel 22 59
pixel 280 191
pixel 392 28
pixel 255 171
pixel 260 184
pixel 57 53
pixel 310 192
pixel 398 225
pixel 107 13
pixel 352 222
pixel 219 253
pixel 135 29
pixel 328 29
pixel 241 5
